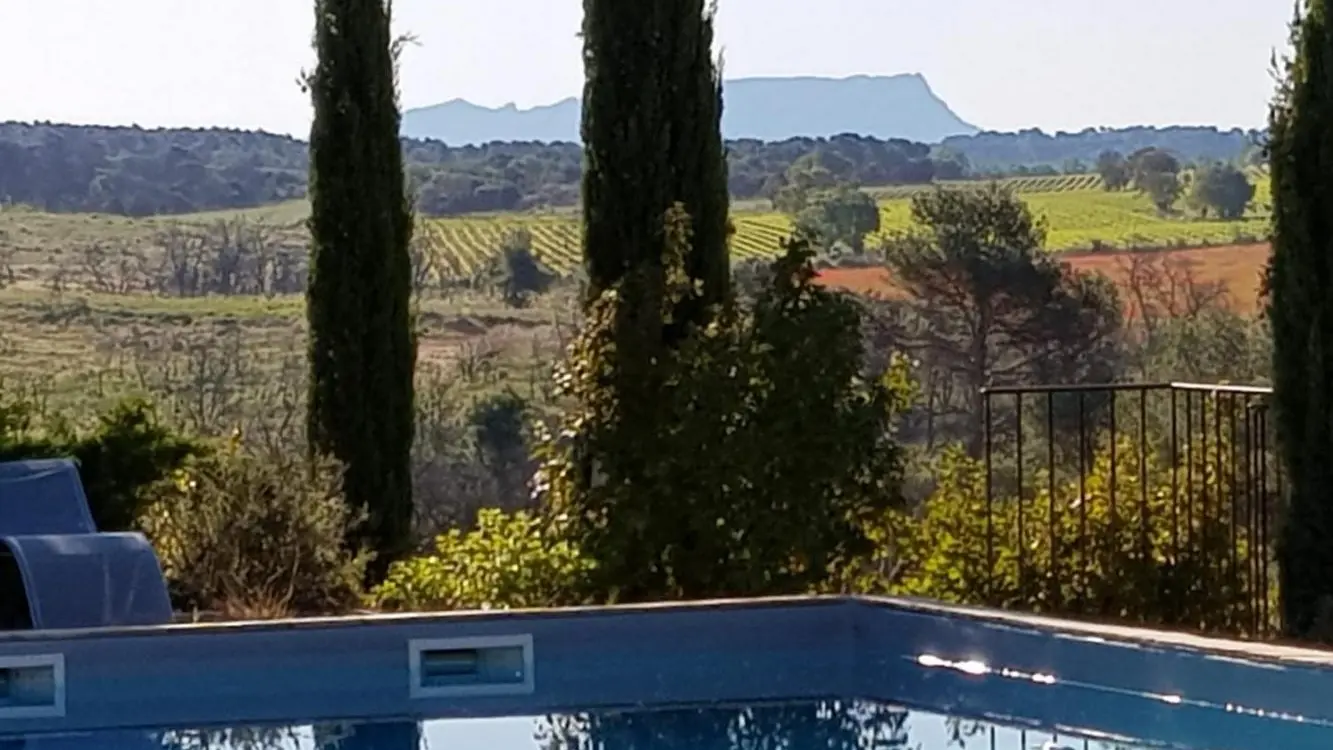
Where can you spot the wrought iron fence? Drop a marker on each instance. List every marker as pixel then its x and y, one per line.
pixel 1152 503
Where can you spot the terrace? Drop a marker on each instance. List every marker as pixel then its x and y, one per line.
pixel 1149 505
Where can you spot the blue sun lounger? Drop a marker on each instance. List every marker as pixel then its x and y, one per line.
pixel 56 570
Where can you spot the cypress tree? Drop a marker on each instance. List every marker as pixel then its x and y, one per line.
pixel 362 347
pixel 652 110
pixel 1300 308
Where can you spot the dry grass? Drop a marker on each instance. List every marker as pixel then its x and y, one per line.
pixel 33 242
pixel 257 607
pixel 215 362
pixel 1236 268
pixel 79 334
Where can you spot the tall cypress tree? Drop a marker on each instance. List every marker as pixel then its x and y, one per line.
pixel 652 110
pixel 362 347
pixel 1300 277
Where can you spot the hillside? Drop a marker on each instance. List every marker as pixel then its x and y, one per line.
pixel 1033 150
pixel 766 109
pixel 137 172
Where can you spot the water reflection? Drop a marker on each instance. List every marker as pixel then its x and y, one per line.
pixel 821 726
pixel 800 726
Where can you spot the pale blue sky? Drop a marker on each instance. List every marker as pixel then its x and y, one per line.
pixel 1006 64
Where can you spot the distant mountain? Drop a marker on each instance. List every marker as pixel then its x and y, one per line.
pixel 767 109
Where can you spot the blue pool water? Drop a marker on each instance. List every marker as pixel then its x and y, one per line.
pixel 791 726
pixel 782 726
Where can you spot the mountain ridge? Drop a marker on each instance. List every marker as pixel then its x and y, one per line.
pixel 770 108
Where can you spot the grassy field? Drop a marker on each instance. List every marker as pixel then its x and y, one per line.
pixel 216 363
pixel 213 363
pixel 1077 220
pixel 1080 217
pixel 1079 214
pixel 88 308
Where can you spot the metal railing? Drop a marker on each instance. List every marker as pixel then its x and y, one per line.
pixel 1148 503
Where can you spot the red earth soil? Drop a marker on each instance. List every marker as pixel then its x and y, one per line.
pixel 1238 268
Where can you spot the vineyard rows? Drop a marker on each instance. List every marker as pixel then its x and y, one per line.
pixel 1020 185
pixel 462 246
pixel 1078 213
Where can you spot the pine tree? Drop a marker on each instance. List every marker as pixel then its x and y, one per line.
pixel 1300 277
pixel 362 347
pixel 652 109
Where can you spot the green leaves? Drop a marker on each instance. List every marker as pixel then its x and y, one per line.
pixel 840 217
pixel 507 561
pixel 359 296
pixel 1105 544
pixel 742 460
pixel 1299 276
pixel 1223 188
pixel 127 453
pixel 257 535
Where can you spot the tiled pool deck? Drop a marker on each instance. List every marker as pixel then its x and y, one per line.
pixel 1108 680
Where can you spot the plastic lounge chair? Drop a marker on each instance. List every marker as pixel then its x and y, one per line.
pixel 43 497
pixel 56 570
pixel 90 580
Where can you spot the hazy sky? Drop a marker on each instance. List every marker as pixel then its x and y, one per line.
pixel 1053 64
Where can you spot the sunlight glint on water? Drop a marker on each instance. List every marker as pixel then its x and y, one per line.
pixel 981 669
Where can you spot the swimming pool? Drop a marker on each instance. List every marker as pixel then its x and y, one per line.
pixel 777 674
pixel 798 726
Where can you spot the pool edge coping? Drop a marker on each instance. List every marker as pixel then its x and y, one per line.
pixel 1256 651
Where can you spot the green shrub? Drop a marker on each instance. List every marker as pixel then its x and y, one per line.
pixel 742 458
pixel 253 536
pixel 119 460
pixel 1149 560
pixel 507 561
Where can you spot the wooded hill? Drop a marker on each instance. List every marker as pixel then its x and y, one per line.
pixel 138 172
